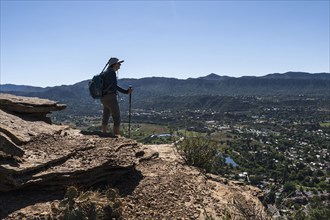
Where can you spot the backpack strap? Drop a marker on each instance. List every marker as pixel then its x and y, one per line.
pixel 104 92
pixel 102 75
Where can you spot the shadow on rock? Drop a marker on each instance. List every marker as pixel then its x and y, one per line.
pixel 12 201
pixel 128 182
pixel 98 133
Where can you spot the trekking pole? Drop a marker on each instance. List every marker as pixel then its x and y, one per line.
pixel 129 112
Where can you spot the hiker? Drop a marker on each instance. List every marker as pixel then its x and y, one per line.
pixel 109 97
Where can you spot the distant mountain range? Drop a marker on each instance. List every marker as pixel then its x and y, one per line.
pixel 152 91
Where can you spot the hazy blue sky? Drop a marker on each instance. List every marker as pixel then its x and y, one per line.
pixel 48 43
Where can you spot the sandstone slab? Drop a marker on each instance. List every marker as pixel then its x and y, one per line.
pixel 22 104
pixel 21 129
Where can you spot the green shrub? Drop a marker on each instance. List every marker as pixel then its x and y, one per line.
pixel 201 153
pixel 318 210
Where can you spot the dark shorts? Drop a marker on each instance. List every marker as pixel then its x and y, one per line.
pixel 110 106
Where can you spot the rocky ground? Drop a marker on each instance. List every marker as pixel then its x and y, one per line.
pixel 159 188
pixel 152 181
pixel 171 190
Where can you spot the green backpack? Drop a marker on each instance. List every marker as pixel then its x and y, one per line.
pixel 95 85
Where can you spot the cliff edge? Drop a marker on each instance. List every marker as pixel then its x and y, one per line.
pixel 40 160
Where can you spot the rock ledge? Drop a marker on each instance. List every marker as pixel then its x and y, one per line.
pixel 38 161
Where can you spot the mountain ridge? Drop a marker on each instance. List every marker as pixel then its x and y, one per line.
pixel 211 76
pixel 172 93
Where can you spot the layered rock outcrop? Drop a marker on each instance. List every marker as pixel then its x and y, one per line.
pixel 38 155
pixel 39 160
pixel 23 118
pixel 29 106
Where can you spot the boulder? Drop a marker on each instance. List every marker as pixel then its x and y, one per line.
pixel 22 104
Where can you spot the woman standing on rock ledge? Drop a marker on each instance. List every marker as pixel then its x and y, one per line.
pixel 109 98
